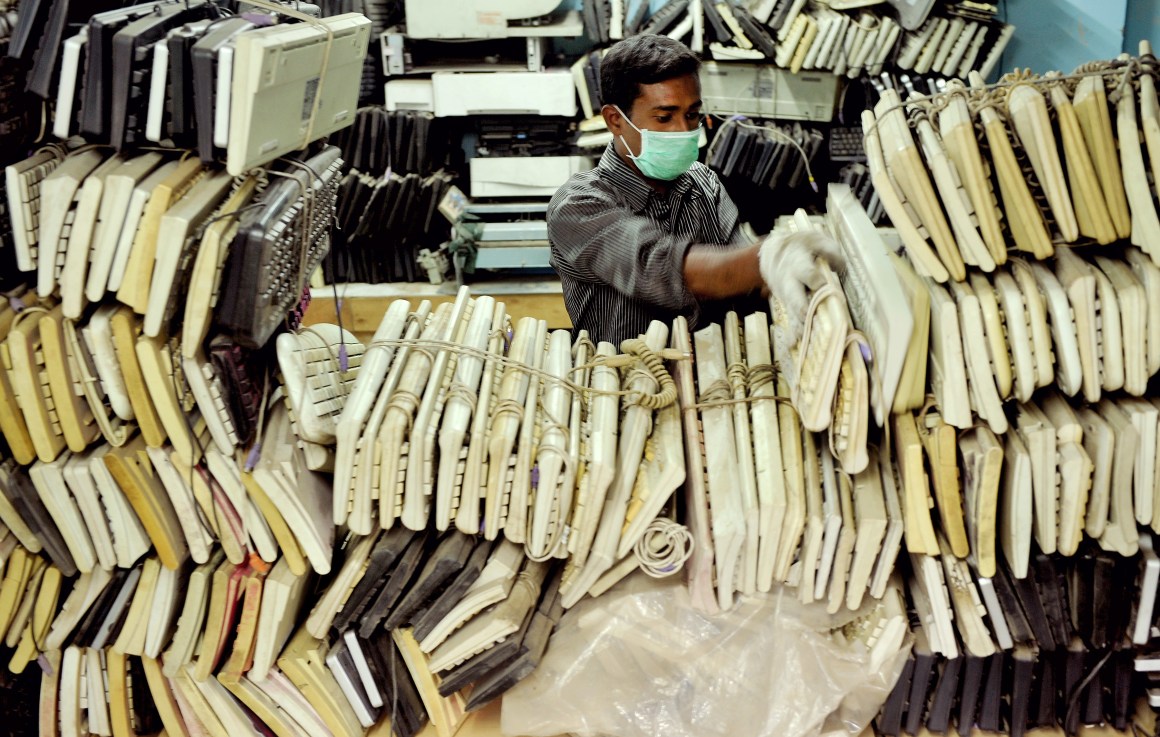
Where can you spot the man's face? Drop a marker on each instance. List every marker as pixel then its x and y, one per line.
pixel 673 106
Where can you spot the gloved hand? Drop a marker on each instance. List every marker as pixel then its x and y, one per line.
pixel 789 266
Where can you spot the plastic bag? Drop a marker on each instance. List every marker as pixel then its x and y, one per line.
pixel 640 661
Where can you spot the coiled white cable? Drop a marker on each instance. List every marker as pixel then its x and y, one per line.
pixel 664 547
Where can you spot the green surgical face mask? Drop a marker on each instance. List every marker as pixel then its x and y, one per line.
pixel 664 155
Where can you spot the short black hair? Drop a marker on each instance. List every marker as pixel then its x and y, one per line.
pixel 643 59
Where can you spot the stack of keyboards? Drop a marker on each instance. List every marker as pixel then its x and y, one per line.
pixel 1059 159
pixel 173 551
pixel 213 517
pixel 767 154
pixel 845 38
pixel 134 384
pixel 240 82
pixel 540 469
pixel 1010 356
pixel 209 520
pixel 388 197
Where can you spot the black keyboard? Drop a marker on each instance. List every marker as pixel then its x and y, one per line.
pixel 241 373
pixel 277 247
pixel 846 144
pixel 96 90
pixel 204 59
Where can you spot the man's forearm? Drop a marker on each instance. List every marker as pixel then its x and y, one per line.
pixel 722 273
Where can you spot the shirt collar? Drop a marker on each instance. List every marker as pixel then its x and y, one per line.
pixel 636 190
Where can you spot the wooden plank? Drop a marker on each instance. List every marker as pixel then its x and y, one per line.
pixel 363 305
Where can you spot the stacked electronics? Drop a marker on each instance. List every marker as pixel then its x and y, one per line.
pixel 778 60
pixel 190 74
pixel 175 554
pixel 1031 238
pixel 488 77
pixel 398 174
pixel 497 66
pixel 168 248
pixel 848 39
pixel 168 554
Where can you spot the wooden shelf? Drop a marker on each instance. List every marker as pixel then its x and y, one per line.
pixel 363 305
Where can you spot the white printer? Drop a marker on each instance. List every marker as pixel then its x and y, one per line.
pixel 768 91
pixel 457 94
pixel 523 176
pixel 490 18
pixel 550 92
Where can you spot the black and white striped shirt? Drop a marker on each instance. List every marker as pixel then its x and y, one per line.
pixel 619 246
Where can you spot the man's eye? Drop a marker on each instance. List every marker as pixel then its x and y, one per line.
pixel 663 118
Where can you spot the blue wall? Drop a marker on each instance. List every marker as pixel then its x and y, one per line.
pixel 1062 34
pixel 631 4
pixel 1143 21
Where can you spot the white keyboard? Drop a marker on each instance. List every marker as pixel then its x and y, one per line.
pixel 875 295
pixel 319 367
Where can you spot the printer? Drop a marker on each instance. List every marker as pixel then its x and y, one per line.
pixel 458 94
pixel 405 55
pixel 491 18
pixel 767 91
pixel 523 176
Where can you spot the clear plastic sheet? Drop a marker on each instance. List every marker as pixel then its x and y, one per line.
pixel 640 661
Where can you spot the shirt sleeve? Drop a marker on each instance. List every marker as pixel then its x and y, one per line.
pixel 729 217
pixel 595 237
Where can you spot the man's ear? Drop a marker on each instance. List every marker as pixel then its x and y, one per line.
pixel 613 120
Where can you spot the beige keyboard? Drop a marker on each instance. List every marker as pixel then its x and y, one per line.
pixel 817 357
pixel 850 424
pixel 23 183
pixel 24 361
pixel 948 374
pixel 319 366
pixel 876 295
pixel 59 191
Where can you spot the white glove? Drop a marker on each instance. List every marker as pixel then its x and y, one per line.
pixel 789 267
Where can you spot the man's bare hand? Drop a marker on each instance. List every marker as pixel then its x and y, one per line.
pixel 714 273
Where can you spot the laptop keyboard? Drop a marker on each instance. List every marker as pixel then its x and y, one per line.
pixel 846 144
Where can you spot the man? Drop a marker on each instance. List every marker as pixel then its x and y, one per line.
pixel 650 233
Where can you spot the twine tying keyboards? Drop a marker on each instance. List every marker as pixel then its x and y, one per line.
pixel 552 424
pixel 717 394
pixel 720 393
pixel 737 374
pixel 760 375
pixel 512 407
pixel 757 377
pixel 589 349
pixel 405 401
pixel 1116 70
pixel 285 10
pixel 653 363
pixel 459 390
